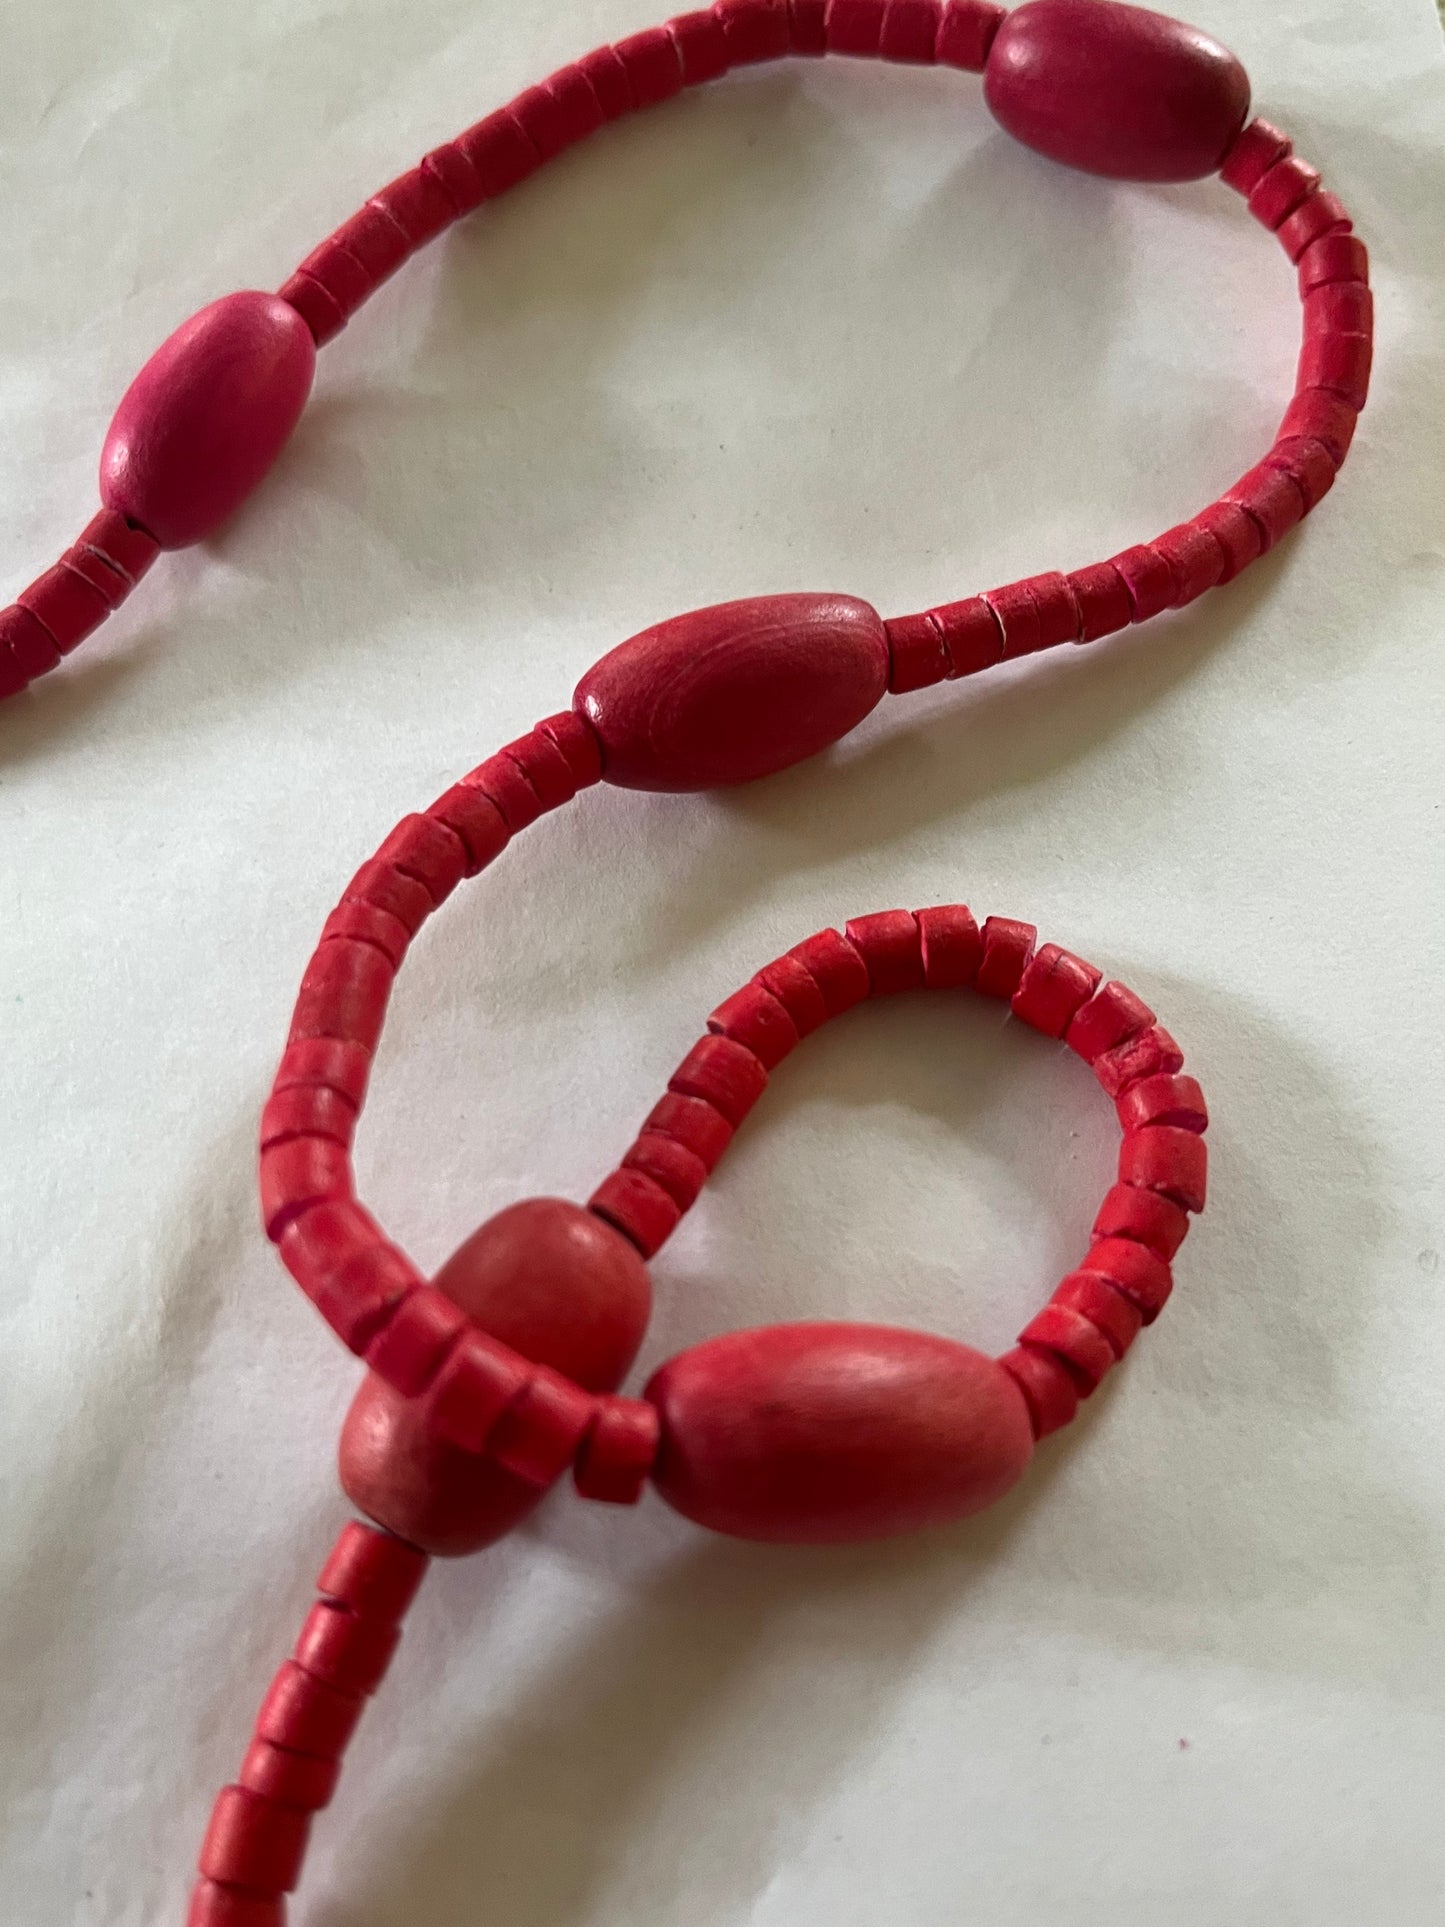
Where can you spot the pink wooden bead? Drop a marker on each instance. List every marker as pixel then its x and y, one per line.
pixel 1116 90
pixel 832 1434
pixel 734 692
pixel 553 1283
pixel 204 420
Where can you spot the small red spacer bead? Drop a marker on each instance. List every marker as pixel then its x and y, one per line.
pixel 291 1779
pixel 618 1452
pixel 1133 1269
pixel 412 1346
pixel 917 657
pixel 695 1123
pixel 1050 1391
pixel 796 989
pixel 345 1649
pixel 477 1383
pixel 254 1842
pixel 910 31
pixel 702 46
pixel 966 33
pixel 724 1074
pixel 971 635
pixel 835 967
pixel 635 1204
pixel 888 943
pixel 372 1572
pixel 305 1714
pixel 759 1021
pixel 1007 947
pixel 1103 601
pixel 1054 986
pixel 754 30
pixel 215 1905
pixel 855 26
pixel 1070 1336
pixel 1164 1099
pixel 1094 1298
pixel 538 1435
pixel 1143 1216
pixel 680 1172
pixel 1165 1159
pixel 951 946
pixel 1256 149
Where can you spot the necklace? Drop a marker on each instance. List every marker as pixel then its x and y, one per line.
pixel 489 1382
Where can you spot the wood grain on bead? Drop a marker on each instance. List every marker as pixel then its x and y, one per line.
pixel 734 692
pixel 204 420
pixel 1116 90
pixel 835 1434
pixel 552 1281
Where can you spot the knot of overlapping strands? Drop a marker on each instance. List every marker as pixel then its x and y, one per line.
pixel 1111 89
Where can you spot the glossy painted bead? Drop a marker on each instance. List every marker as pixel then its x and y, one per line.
pixel 1116 90
pixel 835 1434
pixel 204 420
pixel 558 1285
pixel 734 692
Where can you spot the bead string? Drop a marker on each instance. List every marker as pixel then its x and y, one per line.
pixel 1284 193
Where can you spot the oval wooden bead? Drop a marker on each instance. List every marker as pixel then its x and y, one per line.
pixel 734 692
pixel 562 1288
pixel 207 416
pixel 835 1434
pixel 1116 90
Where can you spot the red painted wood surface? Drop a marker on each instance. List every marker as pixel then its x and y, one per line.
pixel 562 1288
pixel 834 1434
pixel 734 692
pixel 204 420
pixel 1116 90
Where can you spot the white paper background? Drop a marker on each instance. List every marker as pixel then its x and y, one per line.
pixel 812 328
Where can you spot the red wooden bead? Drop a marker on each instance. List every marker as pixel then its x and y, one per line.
pixel 1007 947
pixel 1130 1267
pixel 1333 257
pixel 472 815
pixel 654 70
pixel 1196 558
pixel 307 1110
pixel 331 1061
pixel 1163 1158
pixel 695 1123
pixel 644 1211
pixel 951 945
pixel 1340 362
pixel 204 420
pixel 796 989
pixel 1103 601
pixel 372 1572
pixel 552 1283
pixel 413 1344
pixel 1149 580
pixel 725 1074
pixel 1116 90
pixel 348 1651
pixel 302 1172
pixel 807 26
pixel 1324 417
pixel 343 994
pixel 1110 1016
pixel 754 1017
pixel 619 1451
pixel 889 944
pixel 1237 533
pixel 702 47
pixel 1282 189
pixel 966 33
pixel 428 850
pixel 538 1435
pixel 1055 984
pixel 823 1434
pixel 754 29
pixel 731 693
pixel 254 1842
pixel 392 890
pixel 305 1714
pixel 917 654
pixel 368 924
pixel 1094 1298
pixel 971 635
pixel 910 31
pixel 1070 1336
pixel 342 1260
pixel 1145 1054
pixel 1049 1388
pixel 835 967
pixel 291 1779
pixel 214 1905
pixel 1322 213
pixel 1164 1100
pixel 855 26
pixel 1154 1222
pixel 1255 151
pixel 680 1173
